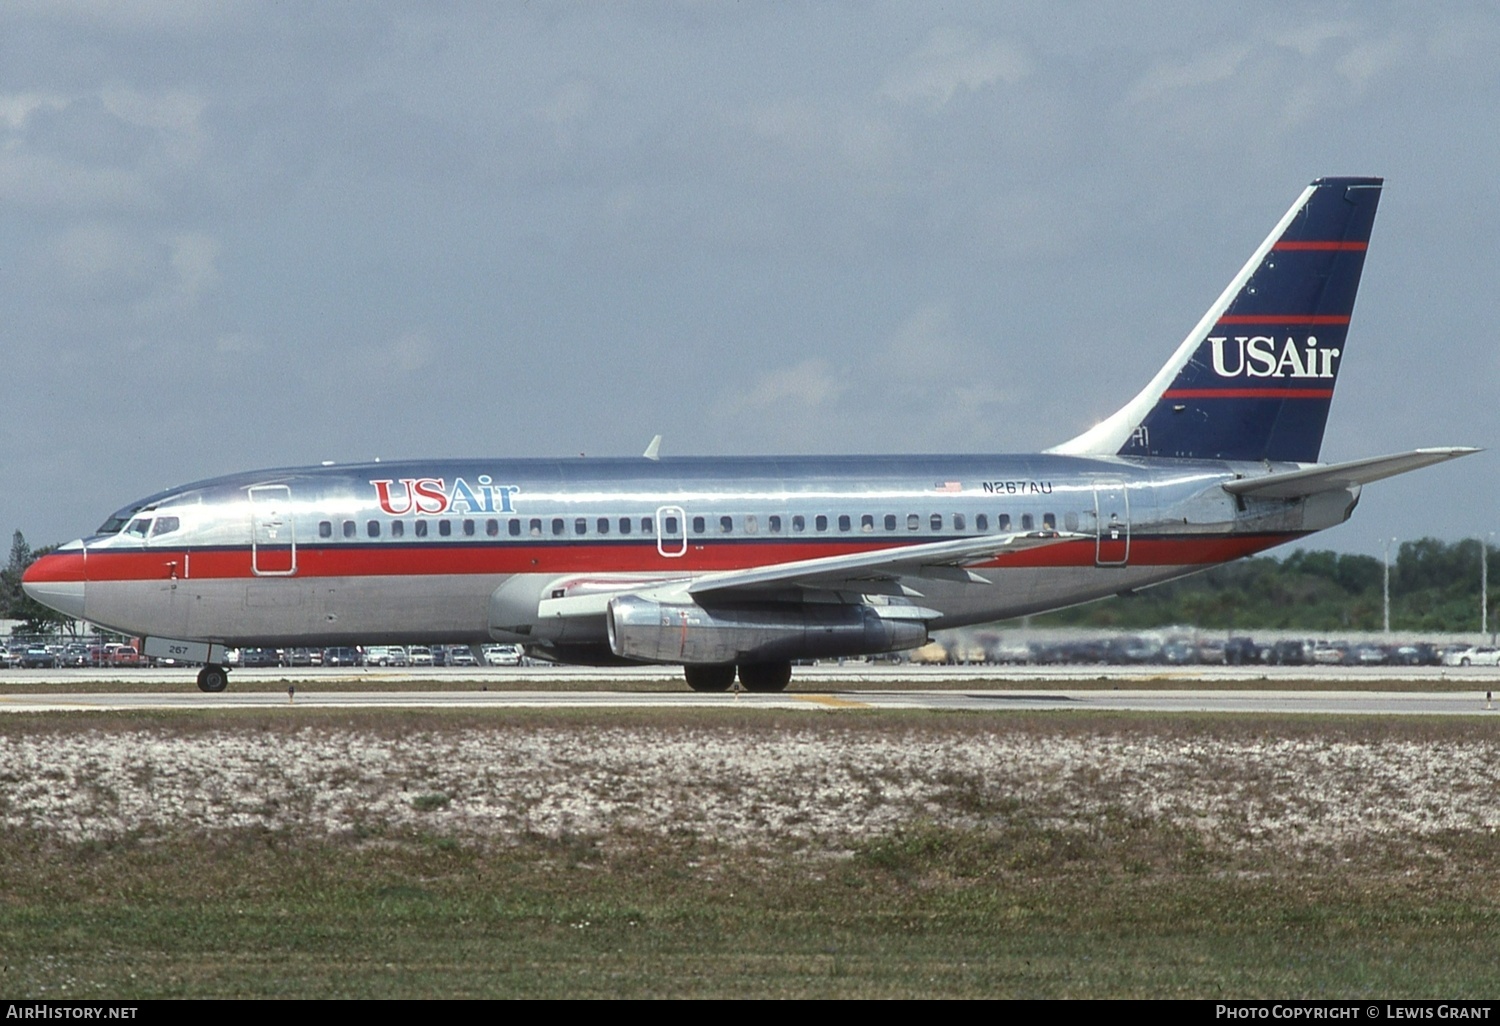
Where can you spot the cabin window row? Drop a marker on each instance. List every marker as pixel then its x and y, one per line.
pixel 537 527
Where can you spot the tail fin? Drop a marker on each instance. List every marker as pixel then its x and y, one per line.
pixel 1254 379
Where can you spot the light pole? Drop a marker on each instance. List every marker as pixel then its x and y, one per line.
pixel 1385 586
pixel 1484 583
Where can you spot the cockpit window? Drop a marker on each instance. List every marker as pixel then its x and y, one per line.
pixel 165 525
pixel 138 527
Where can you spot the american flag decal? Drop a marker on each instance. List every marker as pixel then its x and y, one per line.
pixel 949 486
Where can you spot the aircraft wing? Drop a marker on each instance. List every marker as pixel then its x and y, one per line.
pixel 1312 480
pixel 857 571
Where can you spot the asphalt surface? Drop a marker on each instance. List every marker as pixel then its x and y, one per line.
pixel 1224 689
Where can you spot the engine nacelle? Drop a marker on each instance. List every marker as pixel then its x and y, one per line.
pixel 673 632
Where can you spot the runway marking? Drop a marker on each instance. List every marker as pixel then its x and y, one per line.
pixel 832 702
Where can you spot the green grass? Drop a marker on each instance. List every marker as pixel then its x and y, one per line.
pixel 1119 905
pixel 928 912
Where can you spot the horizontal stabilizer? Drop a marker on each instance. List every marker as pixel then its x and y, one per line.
pixel 1312 480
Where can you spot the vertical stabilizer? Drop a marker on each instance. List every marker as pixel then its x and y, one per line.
pixel 1254 379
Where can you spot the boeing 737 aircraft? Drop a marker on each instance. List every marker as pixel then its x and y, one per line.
pixel 746 564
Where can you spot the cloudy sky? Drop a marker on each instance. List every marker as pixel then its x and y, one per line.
pixel 258 234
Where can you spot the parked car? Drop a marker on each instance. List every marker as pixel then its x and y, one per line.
pixel 386 655
pixel 251 657
pixel 420 655
pixel 36 657
pixel 340 657
pixel 1473 656
pixel 502 655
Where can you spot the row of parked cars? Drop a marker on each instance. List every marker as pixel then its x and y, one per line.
pixel 379 655
pixel 1169 650
pixel 37 654
pixel 43 654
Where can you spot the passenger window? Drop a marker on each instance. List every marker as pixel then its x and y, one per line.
pixel 726 525
pixel 164 525
pixel 981 521
pixel 325 529
pixel 913 521
pixel 1003 521
pixel 581 526
pixel 820 522
pixel 536 527
pixel 514 527
pixel 750 525
pixel 492 528
pixel 603 525
pixel 799 523
pixel 1027 522
pixel 624 525
pixel 372 528
pixel 844 522
pixel 421 528
pixel 468 528
pixel 1049 521
pixel 867 523
pixel 698 525
pixel 958 521
pixel 937 521
pixel 773 524
pixel 1070 521
pixel 445 528
pixel 348 529
pixel 558 526
pixel 398 528
pixel 890 521
pixel 646 525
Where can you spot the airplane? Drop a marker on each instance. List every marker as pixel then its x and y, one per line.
pixel 740 566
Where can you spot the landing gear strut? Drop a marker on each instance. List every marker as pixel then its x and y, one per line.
pixel 765 676
pixel 213 679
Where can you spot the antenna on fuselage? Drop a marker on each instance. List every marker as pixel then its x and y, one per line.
pixel 653 451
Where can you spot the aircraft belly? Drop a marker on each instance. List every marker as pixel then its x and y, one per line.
pixel 437 608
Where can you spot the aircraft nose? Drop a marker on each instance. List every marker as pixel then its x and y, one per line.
pixel 57 580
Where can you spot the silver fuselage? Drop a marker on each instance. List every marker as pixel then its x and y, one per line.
pixel 405 552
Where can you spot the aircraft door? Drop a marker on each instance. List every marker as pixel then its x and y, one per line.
pixel 1111 523
pixel 273 534
pixel 671 531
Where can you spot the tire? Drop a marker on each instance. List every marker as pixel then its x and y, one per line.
pixel 213 679
pixel 709 678
pixel 766 677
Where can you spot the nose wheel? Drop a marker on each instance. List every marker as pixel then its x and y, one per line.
pixel 213 679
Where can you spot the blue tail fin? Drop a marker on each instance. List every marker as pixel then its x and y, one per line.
pixel 1255 377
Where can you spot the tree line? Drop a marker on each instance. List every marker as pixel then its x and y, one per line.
pixel 1434 586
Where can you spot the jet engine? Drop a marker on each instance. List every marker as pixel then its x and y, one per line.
pixel 685 632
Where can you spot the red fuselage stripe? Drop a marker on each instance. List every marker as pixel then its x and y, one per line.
pixel 1248 393
pixel 1349 247
pixel 639 557
pixel 1284 319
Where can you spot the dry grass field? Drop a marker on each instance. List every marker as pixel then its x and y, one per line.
pixel 743 853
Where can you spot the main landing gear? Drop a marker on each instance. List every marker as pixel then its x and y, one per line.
pixel 213 679
pixel 764 677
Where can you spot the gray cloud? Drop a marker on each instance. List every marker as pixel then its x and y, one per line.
pixel 244 234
